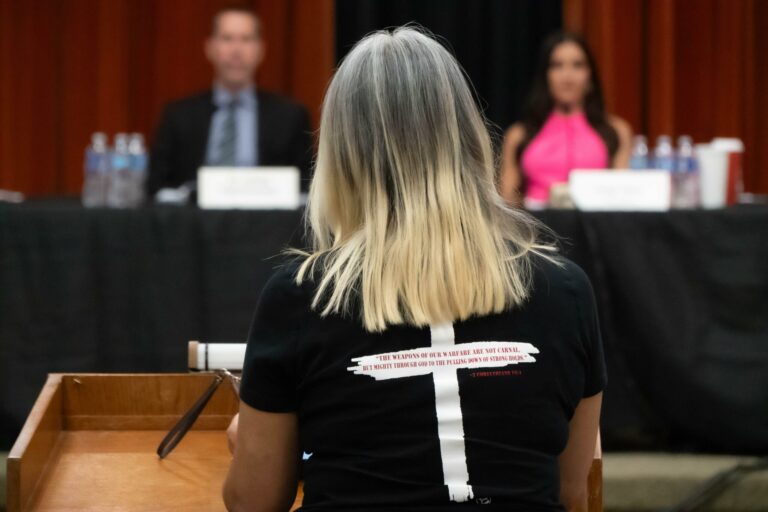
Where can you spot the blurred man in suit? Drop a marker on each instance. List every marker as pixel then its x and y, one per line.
pixel 234 124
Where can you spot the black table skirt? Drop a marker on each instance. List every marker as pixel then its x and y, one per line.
pixel 683 299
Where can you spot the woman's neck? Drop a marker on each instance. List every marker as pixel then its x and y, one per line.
pixel 568 109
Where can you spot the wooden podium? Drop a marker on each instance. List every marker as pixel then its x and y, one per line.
pixel 90 441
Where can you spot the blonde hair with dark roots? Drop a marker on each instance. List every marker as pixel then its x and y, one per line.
pixel 403 211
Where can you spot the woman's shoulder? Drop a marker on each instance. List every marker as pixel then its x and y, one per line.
pixel 621 126
pixel 559 275
pixel 515 134
pixel 282 288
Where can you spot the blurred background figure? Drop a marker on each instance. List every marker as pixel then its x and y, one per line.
pixel 564 126
pixel 234 124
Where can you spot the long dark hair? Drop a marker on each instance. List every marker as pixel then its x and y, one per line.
pixel 540 102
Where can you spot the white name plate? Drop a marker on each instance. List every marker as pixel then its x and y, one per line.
pixel 256 188
pixel 621 190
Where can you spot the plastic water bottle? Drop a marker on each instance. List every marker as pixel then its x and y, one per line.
pixel 686 159
pixel 119 195
pixel 686 176
pixel 138 166
pixel 96 171
pixel 639 158
pixel 664 154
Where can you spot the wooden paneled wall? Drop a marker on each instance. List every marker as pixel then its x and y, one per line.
pixel 72 67
pixel 695 67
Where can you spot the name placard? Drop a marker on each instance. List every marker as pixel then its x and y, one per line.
pixel 621 190
pixel 255 188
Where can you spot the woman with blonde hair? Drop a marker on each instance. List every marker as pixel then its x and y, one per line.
pixel 428 351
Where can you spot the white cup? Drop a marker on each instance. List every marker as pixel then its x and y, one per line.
pixel 713 172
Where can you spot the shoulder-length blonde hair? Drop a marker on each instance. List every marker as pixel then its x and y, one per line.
pixel 403 211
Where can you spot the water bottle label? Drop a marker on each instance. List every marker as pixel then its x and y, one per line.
pixel 120 161
pixel 139 163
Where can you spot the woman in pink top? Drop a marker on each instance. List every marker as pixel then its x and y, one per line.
pixel 565 126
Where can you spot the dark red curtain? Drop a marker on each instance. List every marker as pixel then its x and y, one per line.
pixel 72 67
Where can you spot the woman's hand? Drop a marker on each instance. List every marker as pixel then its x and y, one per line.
pixel 232 434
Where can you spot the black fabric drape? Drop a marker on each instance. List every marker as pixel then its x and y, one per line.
pixel 496 41
pixel 122 290
pixel 682 298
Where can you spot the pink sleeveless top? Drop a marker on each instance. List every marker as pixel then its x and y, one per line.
pixel 564 143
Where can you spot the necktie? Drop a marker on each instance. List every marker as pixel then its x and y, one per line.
pixel 228 141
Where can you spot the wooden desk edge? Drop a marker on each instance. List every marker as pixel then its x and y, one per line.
pixel 29 455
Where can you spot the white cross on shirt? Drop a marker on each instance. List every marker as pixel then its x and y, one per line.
pixel 442 359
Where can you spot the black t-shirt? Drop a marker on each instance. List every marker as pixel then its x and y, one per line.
pixel 469 415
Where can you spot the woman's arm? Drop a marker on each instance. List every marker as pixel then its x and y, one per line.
pixel 264 471
pixel 624 151
pixel 576 459
pixel 510 178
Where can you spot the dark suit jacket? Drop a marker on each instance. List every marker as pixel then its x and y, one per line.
pixel 181 139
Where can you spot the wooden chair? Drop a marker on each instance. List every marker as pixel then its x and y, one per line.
pixel 595 480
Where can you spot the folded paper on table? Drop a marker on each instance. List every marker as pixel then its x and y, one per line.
pixel 648 190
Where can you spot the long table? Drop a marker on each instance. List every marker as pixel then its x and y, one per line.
pixel 683 300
